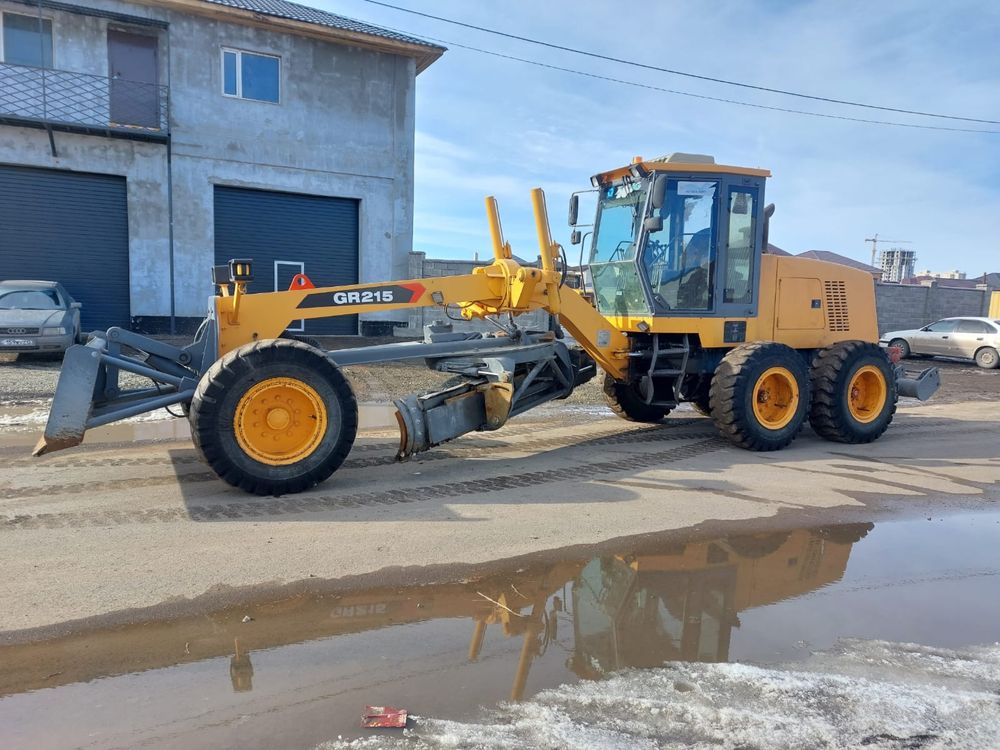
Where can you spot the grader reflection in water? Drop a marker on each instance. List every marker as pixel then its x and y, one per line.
pixel 634 610
pixel 679 601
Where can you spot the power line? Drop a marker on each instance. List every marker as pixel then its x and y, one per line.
pixel 737 102
pixel 608 58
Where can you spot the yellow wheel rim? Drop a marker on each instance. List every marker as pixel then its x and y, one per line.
pixel 775 398
pixel 280 421
pixel 866 394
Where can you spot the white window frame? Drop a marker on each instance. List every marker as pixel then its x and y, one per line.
pixel 45 17
pixel 239 73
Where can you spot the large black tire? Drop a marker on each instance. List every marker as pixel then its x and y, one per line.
pixel 303 338
pixel 744 378
pixel 626 402
pixel 221 392
pixel 847 380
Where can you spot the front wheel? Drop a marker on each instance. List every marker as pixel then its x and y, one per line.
pixel 626 402
pixel 274 417
pixel 987 358
pixel 854 392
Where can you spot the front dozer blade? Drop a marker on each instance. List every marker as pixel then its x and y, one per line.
pixel 74 397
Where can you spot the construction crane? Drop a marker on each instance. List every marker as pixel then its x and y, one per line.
pixel 683 305
pixel 875 240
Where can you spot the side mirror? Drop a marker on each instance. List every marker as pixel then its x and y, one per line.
pixel 575 237
pixel 653 223
pixel 574 209
pixel 659 191
pixel 75 305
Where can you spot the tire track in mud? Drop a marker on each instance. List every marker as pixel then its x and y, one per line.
pixel 645 435
pixel 481 447
pixel 473 444
pixel 476 440
pixel 466 446
pixel 278 506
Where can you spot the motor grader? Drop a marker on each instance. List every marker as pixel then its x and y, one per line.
pixel 681 302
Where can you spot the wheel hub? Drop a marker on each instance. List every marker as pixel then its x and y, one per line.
pixel 866 394
pixel 775 398
pixel 280 421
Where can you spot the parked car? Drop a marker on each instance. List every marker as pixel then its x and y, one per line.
pixel 970 338
pixel 37 316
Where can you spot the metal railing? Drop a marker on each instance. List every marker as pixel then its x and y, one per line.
pixel 67 100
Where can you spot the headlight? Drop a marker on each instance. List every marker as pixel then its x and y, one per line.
pixel 60 331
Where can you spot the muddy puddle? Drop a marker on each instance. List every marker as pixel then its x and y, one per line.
pixel 297 672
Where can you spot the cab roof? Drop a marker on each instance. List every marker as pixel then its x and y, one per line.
pixel 676 162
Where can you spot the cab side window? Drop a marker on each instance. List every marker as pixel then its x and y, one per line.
pixel 679 259
pixel 739 269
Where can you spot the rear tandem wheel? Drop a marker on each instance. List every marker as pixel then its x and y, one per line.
pixel 759 395
pixel 274 417
pixel 854 392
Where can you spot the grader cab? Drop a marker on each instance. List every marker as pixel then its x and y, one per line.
pixel 682 304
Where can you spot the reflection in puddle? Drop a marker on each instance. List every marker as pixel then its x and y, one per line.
pixel 296 672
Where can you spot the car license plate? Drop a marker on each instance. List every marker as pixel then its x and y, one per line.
pixel 17 342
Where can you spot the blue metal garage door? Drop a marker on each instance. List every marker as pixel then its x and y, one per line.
pixel 288 233
pixel 70 227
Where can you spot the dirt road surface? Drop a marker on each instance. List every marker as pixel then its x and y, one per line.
pixel 132 526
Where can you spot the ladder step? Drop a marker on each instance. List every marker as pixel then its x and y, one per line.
pixel 666 372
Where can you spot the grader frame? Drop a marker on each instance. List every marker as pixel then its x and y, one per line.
pixel 273 416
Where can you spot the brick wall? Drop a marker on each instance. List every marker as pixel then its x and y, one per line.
pixel 422 267
pixel 905 306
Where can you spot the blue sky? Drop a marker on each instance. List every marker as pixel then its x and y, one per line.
pixel 492 126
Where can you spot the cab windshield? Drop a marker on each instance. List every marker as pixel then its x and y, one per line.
pixel 612 260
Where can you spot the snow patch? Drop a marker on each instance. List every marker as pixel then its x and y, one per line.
pixel 872 694
pixel 19 416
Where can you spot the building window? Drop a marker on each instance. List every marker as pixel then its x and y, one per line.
pixel 27 40
pixel 249 75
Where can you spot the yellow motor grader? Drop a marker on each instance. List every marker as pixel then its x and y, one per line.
pixel 680 303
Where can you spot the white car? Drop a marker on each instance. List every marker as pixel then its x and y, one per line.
pixel 969 338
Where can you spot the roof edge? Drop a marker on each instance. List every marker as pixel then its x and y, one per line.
pixel 423 54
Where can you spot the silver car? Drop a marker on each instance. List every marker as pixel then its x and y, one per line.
pixel 969 338
pixel 38 317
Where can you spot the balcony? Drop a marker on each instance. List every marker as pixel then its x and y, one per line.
pixel 82 103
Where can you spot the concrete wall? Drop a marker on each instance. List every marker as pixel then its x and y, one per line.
pixel 422 267
pixel 344 128
pixel 904 306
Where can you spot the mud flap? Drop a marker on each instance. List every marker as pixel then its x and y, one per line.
pixel 73 398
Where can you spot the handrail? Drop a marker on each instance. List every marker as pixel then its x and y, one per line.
pixel 66 98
